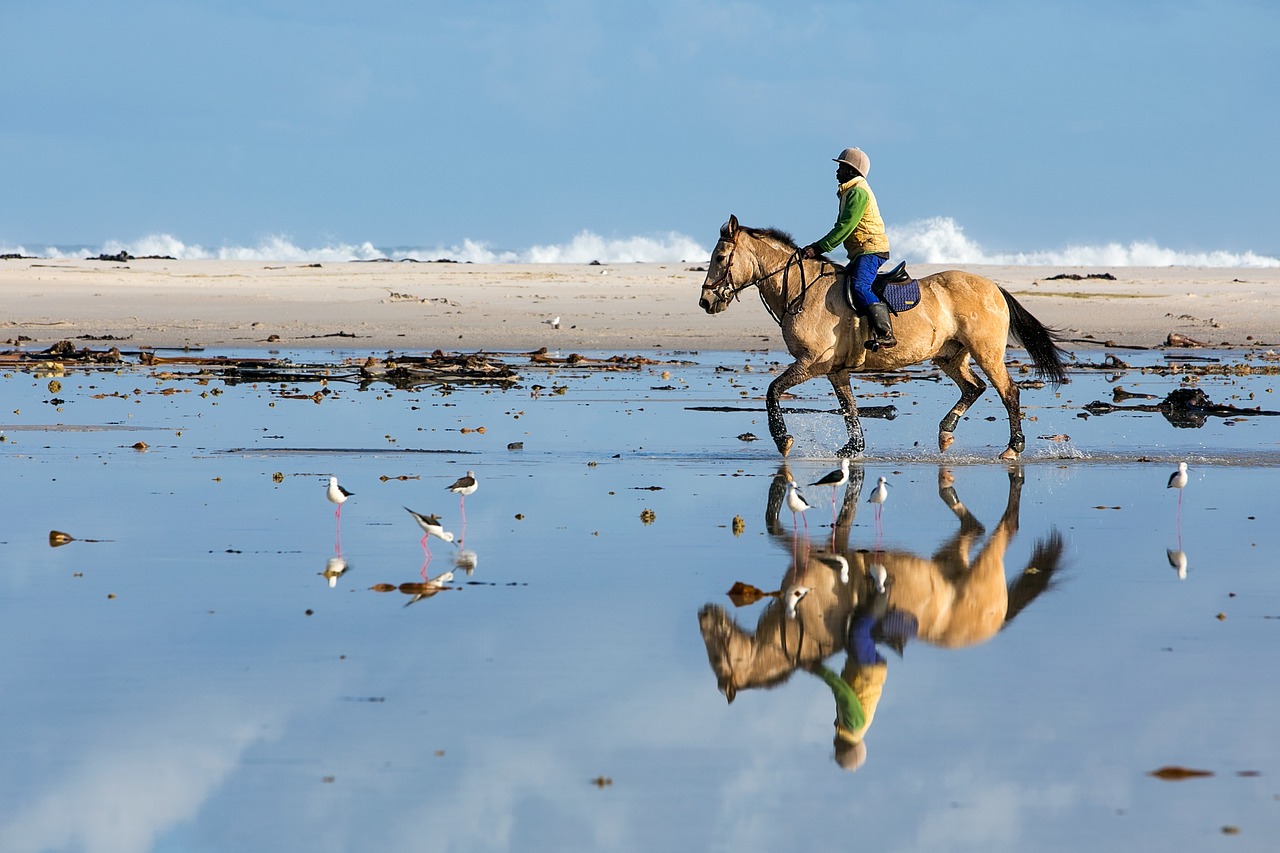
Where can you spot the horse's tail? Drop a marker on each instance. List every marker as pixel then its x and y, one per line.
pixel 1046 559
pixel 1039 341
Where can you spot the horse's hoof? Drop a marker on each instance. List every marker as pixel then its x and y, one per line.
pixel 784 446
pixel 1009 455
pixel 945 440
pixel 849 451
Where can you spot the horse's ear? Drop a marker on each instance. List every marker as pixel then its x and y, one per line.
pixel 730 228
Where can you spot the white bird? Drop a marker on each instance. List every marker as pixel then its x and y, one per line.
pixel 793 596
pixel 337 495
pixel 465 485
pixel 431 526
pixel 795 500
pixel 553 323
pixel 796 503
pixel 880 493
pixel 838 477
pixel 1178 480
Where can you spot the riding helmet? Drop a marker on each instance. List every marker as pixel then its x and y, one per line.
pixel 857 158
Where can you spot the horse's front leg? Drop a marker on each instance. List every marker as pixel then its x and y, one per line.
pixel 849 408
pixel 789 378
pixel 955 364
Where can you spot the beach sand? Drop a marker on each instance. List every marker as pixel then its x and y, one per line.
pixel 507 307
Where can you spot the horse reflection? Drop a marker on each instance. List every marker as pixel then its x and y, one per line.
pixel 952 599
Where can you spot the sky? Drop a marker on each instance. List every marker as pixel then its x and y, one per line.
pixel 1024 127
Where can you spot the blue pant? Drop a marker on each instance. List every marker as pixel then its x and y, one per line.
pixel 859 274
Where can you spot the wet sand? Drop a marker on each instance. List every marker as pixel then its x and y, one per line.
pixel 252 304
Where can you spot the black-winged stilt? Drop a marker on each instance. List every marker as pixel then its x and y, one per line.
pixel 462 487
pixel 797 504
pixel 879 495
pixel 337 495
pixel 835 480
pixel 431 526
pixel 1178 480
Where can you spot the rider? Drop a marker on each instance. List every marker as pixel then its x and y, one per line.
pixel 861 229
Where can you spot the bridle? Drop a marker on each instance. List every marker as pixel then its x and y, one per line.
pixel 724 289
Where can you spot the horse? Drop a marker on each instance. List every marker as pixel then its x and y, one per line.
pixel 957 599
pixel 960 317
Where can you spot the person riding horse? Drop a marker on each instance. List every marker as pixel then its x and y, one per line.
pixel 861 229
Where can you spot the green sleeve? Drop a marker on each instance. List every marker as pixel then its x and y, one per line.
pixel 848 709
pixel 851 210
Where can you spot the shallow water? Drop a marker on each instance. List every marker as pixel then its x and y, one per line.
pixel 194 682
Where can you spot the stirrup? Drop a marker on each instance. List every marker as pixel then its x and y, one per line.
pixel 877 343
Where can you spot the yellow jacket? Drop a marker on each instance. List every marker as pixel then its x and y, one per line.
pixel 858 225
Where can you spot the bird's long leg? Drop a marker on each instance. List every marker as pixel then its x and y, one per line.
pixel 462 505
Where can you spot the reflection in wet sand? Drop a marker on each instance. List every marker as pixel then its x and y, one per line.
pixel 855 600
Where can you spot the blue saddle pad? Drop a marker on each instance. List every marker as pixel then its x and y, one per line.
pixel 901 297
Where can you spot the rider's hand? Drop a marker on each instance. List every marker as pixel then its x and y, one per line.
pixel 809 252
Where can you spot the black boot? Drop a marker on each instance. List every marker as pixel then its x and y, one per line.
pixel 881 329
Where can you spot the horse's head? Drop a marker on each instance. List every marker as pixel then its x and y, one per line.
pixel 741 660
pixel 727 274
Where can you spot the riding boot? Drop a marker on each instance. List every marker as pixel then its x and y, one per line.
pixel 877 314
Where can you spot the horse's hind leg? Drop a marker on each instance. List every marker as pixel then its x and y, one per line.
pixel 849 408
pixel 991 360
pixel 955 363
pixel 789 378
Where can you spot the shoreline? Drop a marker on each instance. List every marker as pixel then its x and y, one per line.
pixel 252 305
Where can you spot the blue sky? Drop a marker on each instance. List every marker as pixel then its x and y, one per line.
pixel 1032 125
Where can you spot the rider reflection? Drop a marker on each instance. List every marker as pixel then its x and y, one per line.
pixel 951 599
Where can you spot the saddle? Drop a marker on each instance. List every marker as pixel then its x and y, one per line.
pixel 895 288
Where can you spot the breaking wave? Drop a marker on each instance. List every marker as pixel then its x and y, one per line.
pixel 937 240
pixel 941 240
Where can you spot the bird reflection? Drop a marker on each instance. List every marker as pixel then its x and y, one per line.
pixel 1178 560
pixel 792 598
pixel 427 588
pixel 334 569
pixel 466 561
pixel 856 601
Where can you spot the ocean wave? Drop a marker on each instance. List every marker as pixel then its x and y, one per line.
pixel 937 240
pixel 940 240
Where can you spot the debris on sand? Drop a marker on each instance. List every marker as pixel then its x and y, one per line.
pixel 1182 407
pixel 1075 276
pixel 1177 340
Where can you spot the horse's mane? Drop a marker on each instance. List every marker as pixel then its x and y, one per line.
pixel 775 234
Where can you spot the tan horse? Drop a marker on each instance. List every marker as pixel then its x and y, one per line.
pixel 957 599
pixel 960 317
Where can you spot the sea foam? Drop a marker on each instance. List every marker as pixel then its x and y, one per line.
pixel 936 240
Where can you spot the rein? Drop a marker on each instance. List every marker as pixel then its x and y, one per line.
pixel 726 290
